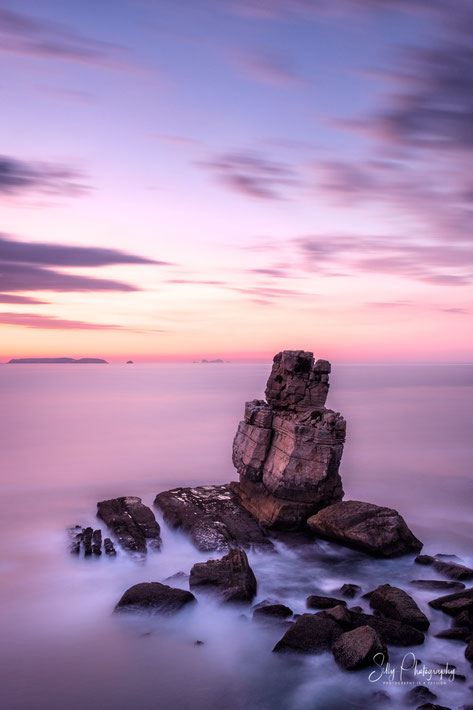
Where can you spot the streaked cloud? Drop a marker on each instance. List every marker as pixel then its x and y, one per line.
pixel 21 176
pixel 33 320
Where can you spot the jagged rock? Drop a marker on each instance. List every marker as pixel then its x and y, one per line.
pixel 311 633
pixel 436 584
pixel 231 577
pixel 109 547
pixel 391 631
pixel 356 649
pixel 371 528
pixel 419 694
pixel 350 590
pixel 449 569
pixel 341 615
pixel 454 604
pixel 177 577
pixel 132 522
pixel 288 451
pixel 97 542
pixel 154 597
pixel 75 539
pixel 396 604
pixel 213 516
pixel 314 601
pixel 87 541
pixel 271 610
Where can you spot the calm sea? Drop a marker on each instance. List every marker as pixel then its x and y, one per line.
pixel 73 435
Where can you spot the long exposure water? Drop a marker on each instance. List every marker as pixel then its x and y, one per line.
pixel 73 435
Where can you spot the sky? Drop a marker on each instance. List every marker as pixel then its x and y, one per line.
pixel 229 178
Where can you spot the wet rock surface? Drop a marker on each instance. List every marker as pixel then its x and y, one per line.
pixel 230 577
pixel 154 597
pixel 450 569
pixel 396 604
pixel 311 633
pixel 357 648
pixel 132 523
pixel 288 450
pixel 213 517
pixel 371 528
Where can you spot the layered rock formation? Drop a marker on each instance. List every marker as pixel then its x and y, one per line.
pixel 132 523
pixel 287 450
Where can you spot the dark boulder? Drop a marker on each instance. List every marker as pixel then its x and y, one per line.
pixel 469 652
pixel 420 694
pixel 109 547
pixel 342 616
pixel 311 633
pixel 396 604
pixel 87 541
pixel 350 590
pixel 314 601
pixel 97 542
pixel 154 597
pixel 455 633
pixel 271 610
pixel 213 516
pixel 391 631
pixel 357 648
pixel 132 522
pixel 431 706
pixel 454 604
pixel 231 577
pixel 75 539
pixel 453 570
pixel 371 528
pixel 436 584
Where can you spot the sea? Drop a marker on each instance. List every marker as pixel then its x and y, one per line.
pixel 72 435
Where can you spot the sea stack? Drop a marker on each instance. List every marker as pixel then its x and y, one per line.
pixel 287 449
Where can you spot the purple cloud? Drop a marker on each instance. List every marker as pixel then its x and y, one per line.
pixel 25 277
pixel 268 69
pixel 14 298
pixel 19 176
pixel 252 175
pixel 32 320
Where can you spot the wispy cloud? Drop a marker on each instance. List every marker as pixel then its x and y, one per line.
pixel 32 320
pixel 268 68
pixel 26 277
pixel 21 176
pixel 15 298
pixel 32 37
pixel 252 175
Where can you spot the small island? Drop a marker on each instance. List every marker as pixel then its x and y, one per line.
pixel 57 361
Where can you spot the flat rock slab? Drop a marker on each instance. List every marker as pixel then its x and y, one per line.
pixel 154 597
pixel 132 522
pixel 213 517
pixel 371 528
pixel 231 577
pixel 396 604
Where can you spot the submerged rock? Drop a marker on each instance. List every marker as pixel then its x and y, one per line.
pixel 288 450
pixel 436 584
pixel 109 547
pixel 311 633
pixel 420 694
pixel 75 539
pixel 449 569
pixel 154 597
pixel 97 542
pixel 132 522
pixel 391 631
pixel 371 528
pixel 357 648
pixel 350 590
pixel 231 577
pixel 395 603
pixel 314 601
pixel 87 541
pixel 213 516
pixel 454 604
pixel 270 610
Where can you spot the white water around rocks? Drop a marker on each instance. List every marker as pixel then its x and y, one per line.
pixel 73 435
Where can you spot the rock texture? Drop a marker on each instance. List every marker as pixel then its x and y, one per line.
pixel 132 522
pixel 453 570
pixel 373 529
pixel 357 648
pixel 311 633
pixel 213 517
pixel 154 597
pixel 288 450
pixel 396 604
pixel 231 577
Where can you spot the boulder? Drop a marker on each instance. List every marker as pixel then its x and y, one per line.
pixel 268 610
pixel 132 522
pixel 371 528
pixel 391 631
pixel 455 633
pixel 314 601
pixel 311 633
pixel 231 577
pixel 357 648
pixel 154 597
pixel 453 570
pixel 454 604
pixel 213 516
pixel 350 590
pixel 341 615
pixel 288 450
pixel 436 584
pixel 396 604
pixel 419 694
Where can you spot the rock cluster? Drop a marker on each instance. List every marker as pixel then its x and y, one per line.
pixel 90 541
pixel 132 523
pixel 230 578
pixel 288 449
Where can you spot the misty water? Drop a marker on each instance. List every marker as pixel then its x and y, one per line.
pixel 72 435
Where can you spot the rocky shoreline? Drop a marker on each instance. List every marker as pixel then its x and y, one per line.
pixel 287 451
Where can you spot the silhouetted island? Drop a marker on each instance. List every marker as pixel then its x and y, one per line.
pixel 56 361
pixel 129 362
